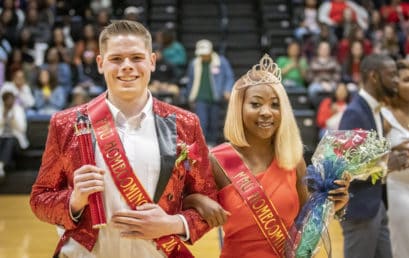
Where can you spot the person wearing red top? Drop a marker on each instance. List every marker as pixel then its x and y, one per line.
pixel 332 13
pixel 331 109
pixel 395 11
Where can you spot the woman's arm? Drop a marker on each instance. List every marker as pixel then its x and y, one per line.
pixel 301 187
pixel 210 210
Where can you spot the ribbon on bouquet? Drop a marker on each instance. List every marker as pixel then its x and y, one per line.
pixel 311 223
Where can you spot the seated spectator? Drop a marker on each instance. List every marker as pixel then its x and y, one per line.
pixel 393 12
pixel 374 33
pixel 41 33
pixel 333 14
pixel 79 96
pixel 17 15
pixel 293 66
pixel 389 43
pixel 173 51
pixel 88 74
pixel 356 34
pixel 87 41
pixel 49 96
pixel 24 96
pixel 324 72
pixel 133 13
pixel 63 46
pixel 55 64
pixel 164 80
pixel 309 24
pixel 331 109
pixel 350 68
pixel 13 126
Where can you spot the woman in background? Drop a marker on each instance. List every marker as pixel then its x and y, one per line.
pixel 396 124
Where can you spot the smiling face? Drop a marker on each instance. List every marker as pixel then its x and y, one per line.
pixel 261 113
pixel 387 79
pixel 127 64
pixel 404 84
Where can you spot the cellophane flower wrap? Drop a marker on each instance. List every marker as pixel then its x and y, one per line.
pixel 362 154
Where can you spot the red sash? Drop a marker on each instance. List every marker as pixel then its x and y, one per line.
pixel 264 212
pixel 128 184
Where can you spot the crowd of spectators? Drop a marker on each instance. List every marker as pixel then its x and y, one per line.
pixel 48 50
pixel 331 39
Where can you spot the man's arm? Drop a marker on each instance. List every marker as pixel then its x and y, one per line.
pixel 199 180
pixel 50 193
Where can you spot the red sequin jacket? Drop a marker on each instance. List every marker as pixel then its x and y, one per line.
pixel 54 184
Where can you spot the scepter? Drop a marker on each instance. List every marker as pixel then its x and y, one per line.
pixel 96 204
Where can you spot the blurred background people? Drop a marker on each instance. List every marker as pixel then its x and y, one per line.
pixel 293 66
pixel 13 126
pixel 211 79
pixel 49 96
pixel 331 109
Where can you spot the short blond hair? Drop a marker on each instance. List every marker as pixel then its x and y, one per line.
pixel 123 27
pixel 287 140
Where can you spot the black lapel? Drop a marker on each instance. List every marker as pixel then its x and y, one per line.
pixel 167 136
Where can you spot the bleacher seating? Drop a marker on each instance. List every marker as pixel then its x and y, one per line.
pixel 37 131
pixel 309 132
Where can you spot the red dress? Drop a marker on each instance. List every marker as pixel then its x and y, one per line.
pixel 242 237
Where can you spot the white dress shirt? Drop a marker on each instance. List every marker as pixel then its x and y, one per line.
pixel 375 107
pixel 138 136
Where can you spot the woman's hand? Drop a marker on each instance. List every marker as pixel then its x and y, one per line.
pixel 340 196
pixel 210 210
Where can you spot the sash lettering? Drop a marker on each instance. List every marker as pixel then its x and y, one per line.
pixel 264 211
pixel 125 179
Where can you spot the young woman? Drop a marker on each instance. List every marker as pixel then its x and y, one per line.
pixel 396 122
pixel 259 172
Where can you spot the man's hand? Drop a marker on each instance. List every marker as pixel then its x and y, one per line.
pixel 398 160
pixel 87 179
pixel 148 221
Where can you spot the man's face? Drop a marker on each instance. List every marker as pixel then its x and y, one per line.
pixel 127 65
pixel 388 79
pixel 404 84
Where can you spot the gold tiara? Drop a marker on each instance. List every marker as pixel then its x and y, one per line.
pixel 268 70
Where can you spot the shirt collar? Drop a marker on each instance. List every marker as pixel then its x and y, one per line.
pixel 372 102
pixel 134 122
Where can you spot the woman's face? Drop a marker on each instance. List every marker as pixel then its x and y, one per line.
pixel 323 50
pixel 357 49
pixel 58 36
pixel 261 112
pixel 341 93
pixel 293 50
pixel 44 77
pixel 404 84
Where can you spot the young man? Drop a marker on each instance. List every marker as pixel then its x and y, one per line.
pixel 365 229
pixel 144 158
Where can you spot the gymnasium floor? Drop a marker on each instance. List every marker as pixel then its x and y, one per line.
pixel 22 235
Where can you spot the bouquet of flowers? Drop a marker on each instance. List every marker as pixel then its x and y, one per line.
pixel 364 152
pixel 360 153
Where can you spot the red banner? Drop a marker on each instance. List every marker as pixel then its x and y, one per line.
pixel 125 179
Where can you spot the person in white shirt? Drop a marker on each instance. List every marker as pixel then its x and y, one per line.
pixel 24 95
pixel 13 126
pixel 148 156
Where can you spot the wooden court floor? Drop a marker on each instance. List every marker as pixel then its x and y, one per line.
pixel 22 235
